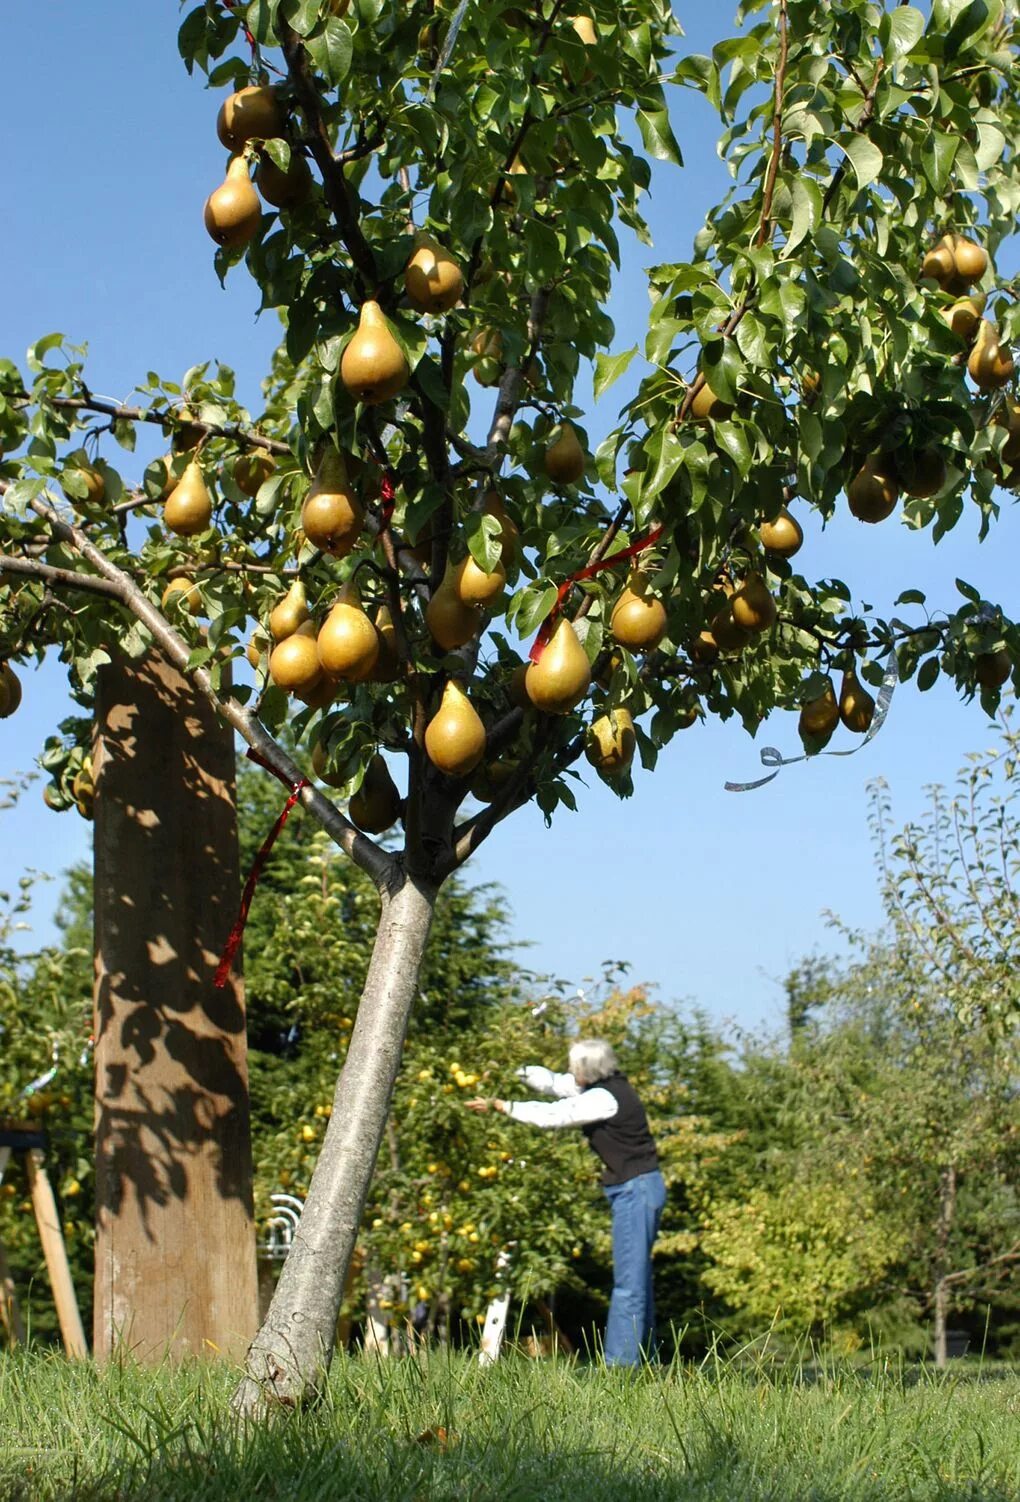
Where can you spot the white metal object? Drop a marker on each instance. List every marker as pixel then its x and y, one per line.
pixel 494 1328
pixel 281 1226
pixel 5 1158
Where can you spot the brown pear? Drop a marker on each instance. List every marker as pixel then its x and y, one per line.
pixel 965 315
pixel 819 717
pixel 782 536
pixel 289 613
pixel 250 114
pixel 455 737
pixel 474 586
pixel 517 689
pixel 707 407
pixel 10 691
pixel 451 623
pixel 939 265
pixel 332 517
pixel 922 472
pixel 508 533
pixel 321 694
pixel 564 458
pixel 188 508
pixel 561 677
pixel 373 366
pixel 874 490
pixel 753 607
pixel 348 644
pixel 387 662
pixel 432 278
pixel 322 770
pixel 993 669
pixel 182 594
pixel 724 631
pixel 610 742
pixel 856 706
pixel 969 259
pixel 233 211
pixel 703 650
pixel 639 619
pixel 294 662
pixel 284 188
pixel 990 364
pixel 375 807
pixel 252 470
pixel 488 346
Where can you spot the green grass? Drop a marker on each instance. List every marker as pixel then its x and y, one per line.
pixel 519 1431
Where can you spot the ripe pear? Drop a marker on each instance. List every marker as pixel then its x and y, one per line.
pixel 992 669
pixel 564 458
pixel 488 346
pixel 10 691
pixel 332 517
pixel 508 533
pixel 289 613
pixel 970 260
pixel 939 265
pixel 455 737
pixel 95 482
pixel 321 768
pixel 706 406
pixel 752 606
pixel 965 315
pixel 874 489
pixel 726 633
pixel 294 662
pixel 83 789
pixel 321 694
pixel 451 623
pixel 639 619
pixel 387 663
pixel 252 470
pixel 856 706
pixel 432 278
pixel 376 805
pixel 703 650
pixel 585 29
pixel 348 644
pixel 284 188
pixel 258 645
pixel 686 715
pixel 373 366
pixel 783 536
pixel 819 717
pixel 1008 417
pixel 473 586
pixel 188 508
pixel 233 212
pixel 610 742
pixel 252 113
pixel 990 364
pixel 561 677
pixel 922 472
pixel 182 594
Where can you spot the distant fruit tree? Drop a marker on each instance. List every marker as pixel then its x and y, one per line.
pixel 437 208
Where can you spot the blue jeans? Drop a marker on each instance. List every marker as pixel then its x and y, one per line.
pixel 636 1207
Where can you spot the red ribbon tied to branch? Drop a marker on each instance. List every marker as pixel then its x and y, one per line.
pixel 538 646
pixel 257 867
pixel 387 494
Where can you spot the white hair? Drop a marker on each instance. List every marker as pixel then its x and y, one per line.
pixel 591 1060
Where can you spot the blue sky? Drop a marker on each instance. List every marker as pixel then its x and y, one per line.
pixel 711 896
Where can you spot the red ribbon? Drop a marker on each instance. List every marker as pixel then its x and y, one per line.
pixel 541 641
pixel 230 5
pixel 388 495
pixel 257 867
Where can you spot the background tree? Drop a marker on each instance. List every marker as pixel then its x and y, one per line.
pixel 821 338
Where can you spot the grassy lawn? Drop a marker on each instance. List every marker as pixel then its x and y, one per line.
pixel 444 1428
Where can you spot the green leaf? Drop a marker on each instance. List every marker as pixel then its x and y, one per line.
pixel 991 146
pixel 732 439
pixel 279 150
pixel 968 591
pixel 928 673
pixel 35 356
pixel 484 539
pixel 535 604
pixel 753 341
pixel 937 158
pixel 865 159
pixel 609 368
pixel 901 30
pixel 911 597
pixel 301 15
pixel 332 51
pixel 806 199
pixel 657 134
pixel 261 20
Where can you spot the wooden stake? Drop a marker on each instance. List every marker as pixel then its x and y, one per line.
pixel 55 1252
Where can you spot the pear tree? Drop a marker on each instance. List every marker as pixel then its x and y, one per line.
pixel 445 595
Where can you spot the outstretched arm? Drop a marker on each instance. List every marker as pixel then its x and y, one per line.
pixel 548 1082
pixel 583 1109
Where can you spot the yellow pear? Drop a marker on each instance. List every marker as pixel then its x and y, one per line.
pixel 965 315
pixel 332 516
pixel 874 489
pixel 704 649
pixel 561 677
pixel 188 508
pixel 376 805
pixel 724 631
pixel 517 687
pixel 969 259
pixel 783 535
pixel 491 778
pixel 939 265
pixel 990 364
pixel 252 470
pixel 451 623
pixel 95 483
pixel 289 613
pixel 321 694
pixel 322 770
pixel 233 211
pixel 488 346
pixel 455 737
pixel 473 586
pixel 706 406
pixel 856 706
pixel 610 742
pixel 639 619
pixel 182 594
pixel 432 279
pixel 348 644
pixel 992 669
pixel 252 113
pixel 584 26
pixel 284 188
pixel 294 662
pixel 258 645
pixel 564 458
pixel 508 533
pixel 753 607
pixel 373 366
pixel 819 717
pixel 10 691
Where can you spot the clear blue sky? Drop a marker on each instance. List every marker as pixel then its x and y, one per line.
pixel 110 151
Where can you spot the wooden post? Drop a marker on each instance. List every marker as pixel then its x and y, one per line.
pixel 10 1314
pixel 55 1252
pixel 175 1238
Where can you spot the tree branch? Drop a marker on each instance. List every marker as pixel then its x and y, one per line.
pixel 59 578
pixel 244 437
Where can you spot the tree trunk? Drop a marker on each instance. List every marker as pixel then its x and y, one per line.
pixel 947 1209
pixel 290 1356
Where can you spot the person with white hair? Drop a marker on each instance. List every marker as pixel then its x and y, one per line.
pixel 595 1096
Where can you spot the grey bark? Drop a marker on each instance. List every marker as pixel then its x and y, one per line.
pixel 290 1356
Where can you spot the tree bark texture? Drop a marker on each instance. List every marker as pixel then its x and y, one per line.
pixel 175 1242
pixel 947 1210
pixel 290 1355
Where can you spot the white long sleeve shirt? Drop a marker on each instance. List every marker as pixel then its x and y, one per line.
pixel 573 1107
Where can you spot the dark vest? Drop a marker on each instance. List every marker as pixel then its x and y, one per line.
pixel 624 1142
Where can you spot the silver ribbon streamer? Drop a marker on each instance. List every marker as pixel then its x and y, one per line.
pixel 770 757
pixel 448 46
